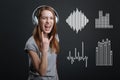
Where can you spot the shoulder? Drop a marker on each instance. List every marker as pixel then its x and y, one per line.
pixel 30 44
pixel 30 40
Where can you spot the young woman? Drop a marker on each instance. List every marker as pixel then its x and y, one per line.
pixel 43 46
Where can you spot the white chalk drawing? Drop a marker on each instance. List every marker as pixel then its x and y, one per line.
pixel 104 54
pixel 78 56
pixel 103 21
pixel 77 20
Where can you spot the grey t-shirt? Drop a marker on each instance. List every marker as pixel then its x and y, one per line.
pixel 51 69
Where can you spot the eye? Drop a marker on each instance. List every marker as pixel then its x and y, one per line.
pixel 51 18
pixel 43 17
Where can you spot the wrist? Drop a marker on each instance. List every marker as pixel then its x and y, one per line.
pixel 44 53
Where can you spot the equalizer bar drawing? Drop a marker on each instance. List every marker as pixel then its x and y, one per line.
pixel 104 54
pixel 103 21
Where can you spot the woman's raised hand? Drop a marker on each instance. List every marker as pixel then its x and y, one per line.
pixel 45 42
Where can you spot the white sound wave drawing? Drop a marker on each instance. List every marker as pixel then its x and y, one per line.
pixel 77 20
pixel 103 21
pixel 78 56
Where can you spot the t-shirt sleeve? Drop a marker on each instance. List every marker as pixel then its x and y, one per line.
pixel 30 45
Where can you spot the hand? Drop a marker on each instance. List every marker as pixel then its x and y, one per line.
pixel 45 42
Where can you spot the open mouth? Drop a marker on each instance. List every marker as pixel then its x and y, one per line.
pixel 47 28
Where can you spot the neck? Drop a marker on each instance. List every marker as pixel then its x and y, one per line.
pixel 45 35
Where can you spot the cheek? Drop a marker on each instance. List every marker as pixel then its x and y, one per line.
pixel 42 23
pixel 52 23
pixel 41 26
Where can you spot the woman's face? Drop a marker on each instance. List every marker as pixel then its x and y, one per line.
pixel 46 21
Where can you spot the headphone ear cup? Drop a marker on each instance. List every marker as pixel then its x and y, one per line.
pixel 56 16
pixel 56 19
pixel 36 20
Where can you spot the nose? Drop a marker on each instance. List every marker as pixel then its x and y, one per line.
pixel 48 20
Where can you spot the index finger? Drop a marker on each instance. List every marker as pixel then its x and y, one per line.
pixel 42 36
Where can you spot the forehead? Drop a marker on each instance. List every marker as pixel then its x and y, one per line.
pixel 46 13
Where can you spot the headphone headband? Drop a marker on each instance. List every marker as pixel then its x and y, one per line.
pixel 34 16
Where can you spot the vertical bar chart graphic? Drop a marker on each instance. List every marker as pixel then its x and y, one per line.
pixel 103 21
pixel 104 54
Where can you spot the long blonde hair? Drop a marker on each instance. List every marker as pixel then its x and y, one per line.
pixel 54 44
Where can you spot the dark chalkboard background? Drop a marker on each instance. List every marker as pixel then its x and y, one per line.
pixel 16 27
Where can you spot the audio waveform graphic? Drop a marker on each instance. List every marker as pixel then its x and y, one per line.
pixel 104 54
pixel 77 20
pixel 77 56
pixel 103 21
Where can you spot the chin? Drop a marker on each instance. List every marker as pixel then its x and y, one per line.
pixel 47 32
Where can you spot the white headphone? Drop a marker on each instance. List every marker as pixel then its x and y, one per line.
pixel 35 19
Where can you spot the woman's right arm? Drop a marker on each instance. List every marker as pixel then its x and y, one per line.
pixel 40 64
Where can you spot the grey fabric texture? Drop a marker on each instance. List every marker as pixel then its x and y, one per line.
pixel 51 69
